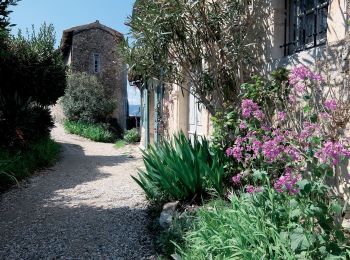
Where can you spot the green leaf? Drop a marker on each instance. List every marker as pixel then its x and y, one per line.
pixel 307 97
pixel 304 186
pixel 307 109
pixel 336 208
pixel 299 240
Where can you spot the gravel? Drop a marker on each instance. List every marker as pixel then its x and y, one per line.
pixel 86 207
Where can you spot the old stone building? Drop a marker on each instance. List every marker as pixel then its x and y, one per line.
pixel 92 48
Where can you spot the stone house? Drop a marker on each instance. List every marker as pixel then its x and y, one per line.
pixel 92 48
pixel 309 32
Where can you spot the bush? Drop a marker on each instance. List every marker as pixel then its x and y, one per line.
pixel 33 77
pixel 180 170
pixel 132 136
pixel 86 99
pixel 18 165
pixel 263 225
pixel 94 132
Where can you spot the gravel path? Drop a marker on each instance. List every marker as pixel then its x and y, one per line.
pixel 86 207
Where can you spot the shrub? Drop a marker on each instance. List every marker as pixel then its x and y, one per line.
pixel 94 132
pixel 180 170
pixel 33 77
pixel 86 99
pixel 132 136
pixel 18 165
pixel 263 225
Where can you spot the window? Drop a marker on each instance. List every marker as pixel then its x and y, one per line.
pixel 306 24
pixel 97 63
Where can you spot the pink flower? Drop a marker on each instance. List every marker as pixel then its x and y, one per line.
pixel 332 152
pixel 271 150
pixel 249 108
pixel 325 116
pixel 330 104
pixel 287 182
pixel 292 99
pixel 258 114
pixel 256 146
pixel 251 189
pixel 235 152
pixel 293 153
pixel 301 73
pixel 300 87
pixel 243 125
pixel 281 116
pixel 237 179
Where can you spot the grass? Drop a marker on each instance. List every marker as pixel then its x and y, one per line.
pixel 15 166
pixel 94 132
pixel 237 231
pixel 120 144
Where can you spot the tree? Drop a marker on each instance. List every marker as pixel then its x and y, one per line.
pixel 5 22
pixel 203 44
pixel 33 77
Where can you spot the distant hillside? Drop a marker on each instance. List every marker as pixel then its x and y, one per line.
pixel 134 110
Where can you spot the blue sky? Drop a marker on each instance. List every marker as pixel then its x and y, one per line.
pixel 64 14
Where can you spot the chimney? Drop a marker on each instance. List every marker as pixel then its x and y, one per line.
pixel 97 21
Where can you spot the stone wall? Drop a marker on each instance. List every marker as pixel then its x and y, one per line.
pixel 113 73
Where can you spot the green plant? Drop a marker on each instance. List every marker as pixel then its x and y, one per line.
pixel 181 169
pixel 169 238
pixel 86 99
pixel 132 136
pixel 33 77
pixel 16 165
pixel 208 43
pixel 94 132
pixel 264 225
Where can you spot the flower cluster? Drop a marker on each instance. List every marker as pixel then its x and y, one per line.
pixel 298 79
pixel 287 146
pixel 250 108
pixel 236 180
pixel 287 182
pixel 251 189
pixel 302 73
pixel 332 153
pixel 235 152
pixel 331 104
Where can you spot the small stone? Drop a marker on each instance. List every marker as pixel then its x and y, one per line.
pixel 166 217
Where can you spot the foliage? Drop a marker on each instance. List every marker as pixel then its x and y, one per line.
pixel 169 238
pixel 132 136
pixel 264 225
pixel 211 44
pixel 181 170
pixel 303 140
pixel 33 77
pixel 298 152
pixel 18 165
pixel 5 24
pixel 86 99
pixel 95 132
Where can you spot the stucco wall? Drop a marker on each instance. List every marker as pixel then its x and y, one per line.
pixel 178 119
pixel 113 71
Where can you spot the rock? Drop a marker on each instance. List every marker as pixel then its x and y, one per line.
pixel 166 217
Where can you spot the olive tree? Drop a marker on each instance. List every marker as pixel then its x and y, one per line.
pixel 211 45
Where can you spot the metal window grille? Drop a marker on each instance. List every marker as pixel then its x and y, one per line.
pixel 305 25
